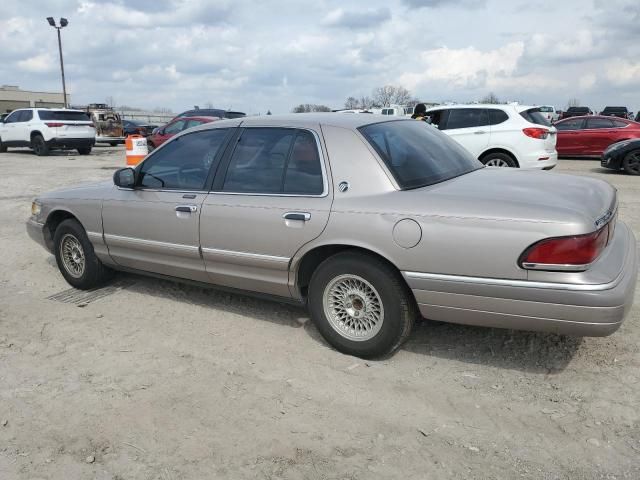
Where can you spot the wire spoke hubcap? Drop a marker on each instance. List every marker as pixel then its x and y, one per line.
pixel 72 255
pixel 353 307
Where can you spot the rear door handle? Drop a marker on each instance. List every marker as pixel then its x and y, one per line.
pixel 479 132
pixel 186 208
pixel 301 216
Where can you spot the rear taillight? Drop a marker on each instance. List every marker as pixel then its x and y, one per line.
pixel 535 132
pixel 573 253
pixel 54 124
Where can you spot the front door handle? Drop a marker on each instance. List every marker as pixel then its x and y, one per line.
pixel 186 208
pixel 301 216
pixel 479 132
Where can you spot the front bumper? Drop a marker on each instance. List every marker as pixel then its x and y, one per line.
pixel 580 309
pixel 101 139
pixel 611 161
pixel 39 234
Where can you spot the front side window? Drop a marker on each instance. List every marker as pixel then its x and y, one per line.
pixel 418 155
pixel 275 161
pixel 13 117
pixel 572 124
pixel 184 163
pixel 599 123
pixel 466 118
pixel 25 116
pixel 175 127
pixel 193 123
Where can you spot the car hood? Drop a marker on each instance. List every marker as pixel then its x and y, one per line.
pixel 94 190
pixel 516 195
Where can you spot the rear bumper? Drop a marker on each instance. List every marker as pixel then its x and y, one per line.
pixel 565 308
pixel 100 139
pixel 532 161
pixel 62 142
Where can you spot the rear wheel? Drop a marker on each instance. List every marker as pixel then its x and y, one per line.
pixel 113 144
pixel 631 163
pixel 84 150
pixel 361 305
pixel 78 263
pixel 499 160
pixel 39 146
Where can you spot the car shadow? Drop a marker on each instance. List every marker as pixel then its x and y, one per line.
pixel 501 348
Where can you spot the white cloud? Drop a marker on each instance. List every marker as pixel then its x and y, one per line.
pixel 623 72
pixel 37 64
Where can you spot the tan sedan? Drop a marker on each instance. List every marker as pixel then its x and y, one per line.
pixel 369 221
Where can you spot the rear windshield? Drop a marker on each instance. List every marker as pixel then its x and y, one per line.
pixel 615 109
pixel 534 115
pixel 63 115
pixel 546 109
pixel 418 154
pixel 234 114
pixel 578 109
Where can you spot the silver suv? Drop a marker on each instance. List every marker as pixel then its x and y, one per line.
pixel 46 129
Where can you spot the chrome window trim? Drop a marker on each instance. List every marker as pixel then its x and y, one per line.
pixel 513 283
pixel 325 181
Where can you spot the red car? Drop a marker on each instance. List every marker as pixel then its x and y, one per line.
pixel 175 126
pixel 589 136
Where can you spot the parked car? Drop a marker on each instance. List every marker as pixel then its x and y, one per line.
pixel 623 155
pixel 210 112
pixel 137 127
pixel 549 113
pixel 590 136
pixel 368 221
pixel 108 124
pixel 46 129
pixel 175 126
pixel 575 112
pixel 500 135
pixel 638 117
pixel 621 112
pixel 394 110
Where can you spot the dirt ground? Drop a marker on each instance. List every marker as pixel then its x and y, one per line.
pixel 154 380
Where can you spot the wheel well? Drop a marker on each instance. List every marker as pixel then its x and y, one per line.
pixel 34 133
pixel 313 258
pixel 54 219
pixel 499 150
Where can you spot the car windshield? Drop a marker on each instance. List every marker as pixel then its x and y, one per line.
pixel 534 115
pixel 418 154
pixel 63 115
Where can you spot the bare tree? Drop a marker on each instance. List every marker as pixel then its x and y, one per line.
pixel 573 102
pixel 208 105
pixel 390 94
pixel 351 103
pixel 365 102
pixel 110 101
pixel 309 107
pixel 490 98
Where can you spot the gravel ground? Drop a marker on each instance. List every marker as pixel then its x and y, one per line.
pixel 157 380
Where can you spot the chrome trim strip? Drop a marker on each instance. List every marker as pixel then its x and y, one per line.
pixel 513 283
pixel 247 255
pixel 94 235
pixel 556 267
pixel 140 242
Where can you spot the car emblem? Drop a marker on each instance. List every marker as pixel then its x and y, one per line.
pixel 343 186
pixel 604 219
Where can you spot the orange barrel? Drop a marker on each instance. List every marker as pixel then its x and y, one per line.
pixel 136 146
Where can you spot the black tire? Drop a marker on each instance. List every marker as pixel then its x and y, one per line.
pixel 631 162
pixel 84 150
pixel 501 159
pixel 93 273
pixel 150 147
pixel 113 144
pixel 39 146
pixel 3 147
pixel 398 305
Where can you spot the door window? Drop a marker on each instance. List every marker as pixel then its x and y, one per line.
pixel 175 127
pixel 193 123
pixel 619 123
pixel 436 117
pixel 25 116
pixel 573 124
pixel 598 123
pixel 13 118
pixel 184 163
pixel 466 118
pixel 275 160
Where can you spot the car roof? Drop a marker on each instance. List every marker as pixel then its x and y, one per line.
pixel 606 117
pixel 303 120
pixel 202 117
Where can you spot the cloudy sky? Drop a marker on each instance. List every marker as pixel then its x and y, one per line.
pixel 254 56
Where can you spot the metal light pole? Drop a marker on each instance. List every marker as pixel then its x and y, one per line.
pixel 63 23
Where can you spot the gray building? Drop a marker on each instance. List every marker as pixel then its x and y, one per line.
pixel 11 97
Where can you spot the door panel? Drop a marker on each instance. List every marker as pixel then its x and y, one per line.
pixel 470 128
pixel 247 237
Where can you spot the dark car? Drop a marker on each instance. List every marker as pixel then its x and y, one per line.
pixel 210 112
pixel 576 112
pixel 175 126
pixel 621 112
pixel 623 155
pixel 136 127
pixel 589 136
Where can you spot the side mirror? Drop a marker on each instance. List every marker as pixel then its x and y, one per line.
pixel 124 178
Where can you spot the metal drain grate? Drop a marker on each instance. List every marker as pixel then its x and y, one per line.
pixel 82 298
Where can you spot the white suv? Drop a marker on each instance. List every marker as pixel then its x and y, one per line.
pixel 45 129
pixel 500 135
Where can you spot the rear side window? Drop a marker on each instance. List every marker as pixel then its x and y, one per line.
pixel 619 124
pixel 496 116
pixel 417 154
pixel 598 123
pixel 534 115
pixel 466 118
pixel 275 160
pixel 183 163
pixel 63 115
pixel 571 124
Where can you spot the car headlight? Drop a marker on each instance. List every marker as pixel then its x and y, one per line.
pixel 35 208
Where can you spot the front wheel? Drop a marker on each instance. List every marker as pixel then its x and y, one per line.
pixel 75 257
pixel 631 163
pixel 3 148
pixel 84 150
pixel 113 144
pixel 499 160
pixel 361 305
